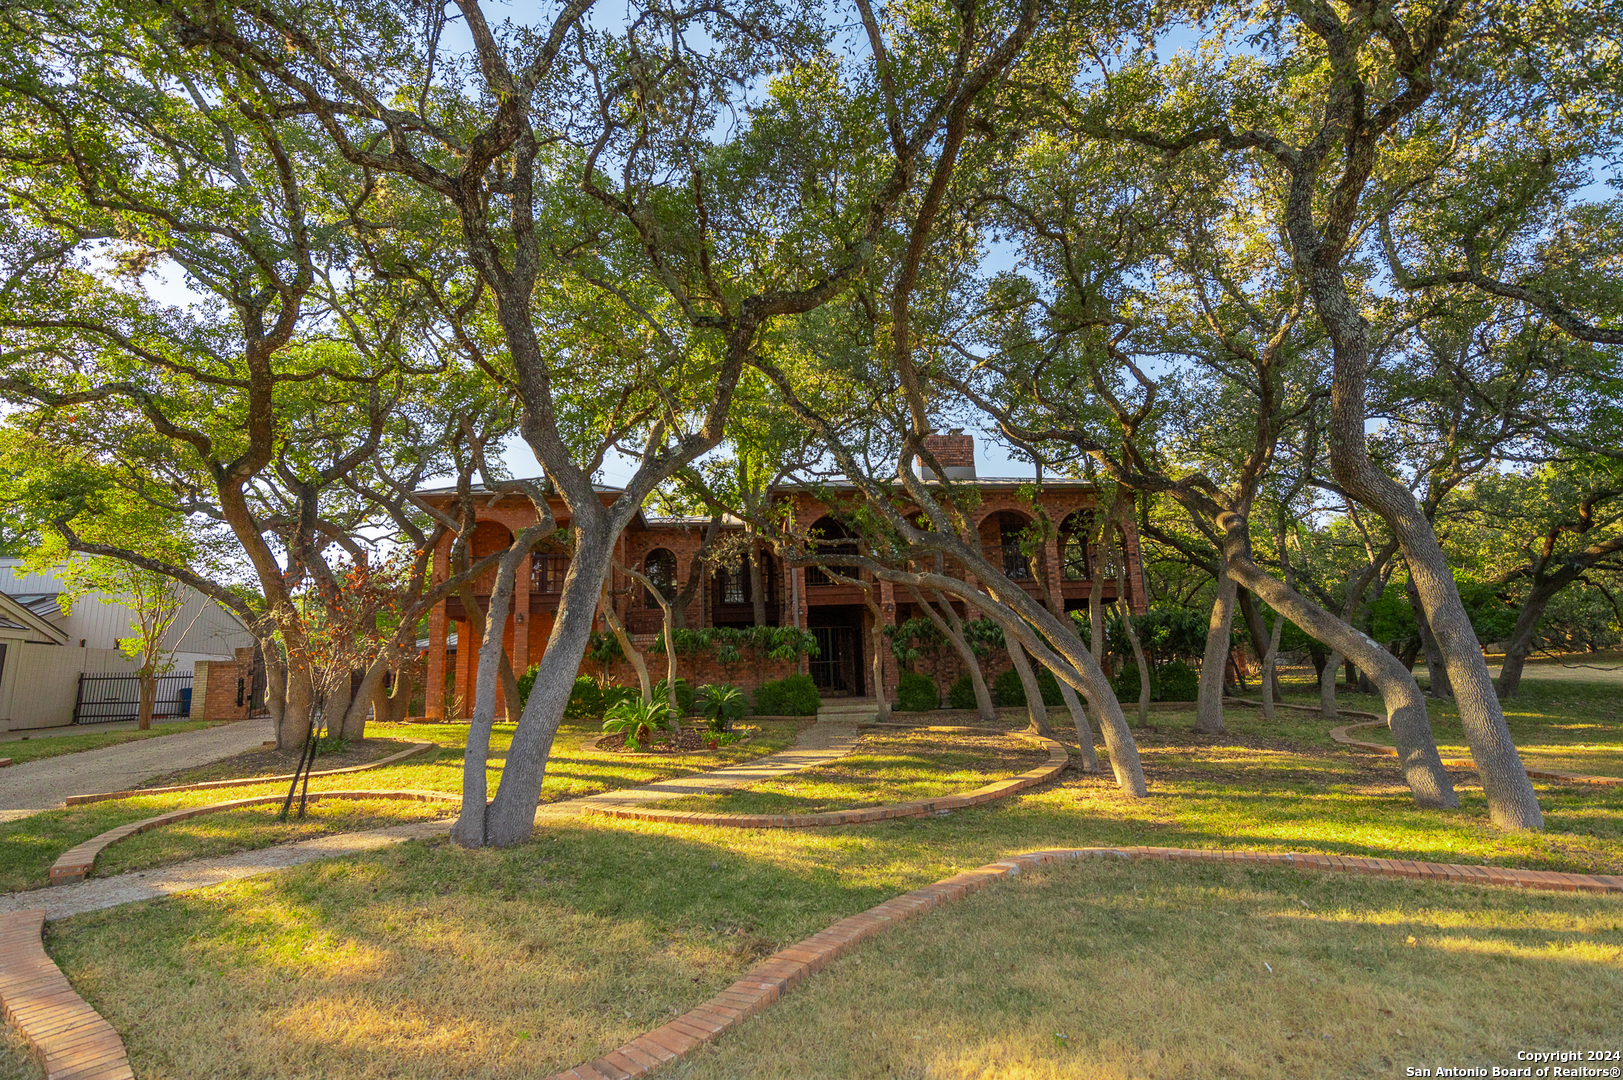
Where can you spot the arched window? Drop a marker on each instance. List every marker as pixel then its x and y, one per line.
pixel 660 567
pixel 1011 538
pixel 829 537
pixel 1074 532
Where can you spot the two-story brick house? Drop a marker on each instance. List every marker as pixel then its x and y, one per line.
pixel 838 613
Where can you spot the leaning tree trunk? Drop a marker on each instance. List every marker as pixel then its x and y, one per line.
pixel 953 627
pixel 1512 803
pixel 1405 707
pixel 504 671
pixel 1132 637
pixel 1036 711
pixel 1520 644
pixel 1269 660
pixel 877 663
pixel 405 686
pixel 1209 703
pixel 511 815
pixel 632 655
pixel 1257 627
pixel 1084 733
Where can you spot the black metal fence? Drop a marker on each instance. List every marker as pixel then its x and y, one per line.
pixel 103 699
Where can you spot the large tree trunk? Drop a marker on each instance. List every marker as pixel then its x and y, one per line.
pixel 1327 685
pixel 1520 645
pixel 511 815
pixel 298 701
pixel 1512 803
pixel 1269 660
pixel 1209 703
pixel 405 687
pixel 757 583
pixel 471 828
pixel 1036 711
pixel 876 661
pixel 1405 707
pixel 509 681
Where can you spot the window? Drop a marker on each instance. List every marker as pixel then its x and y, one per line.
pixel 734 585
pixel 660 568
pixel 828 537
pixel 1011 532
pixel 1073 538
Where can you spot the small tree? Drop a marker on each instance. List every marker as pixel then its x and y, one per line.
pixel 154 601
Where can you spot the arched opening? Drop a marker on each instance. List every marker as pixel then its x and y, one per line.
pixel 829 537
pixel 1074 533
pixel 1005 532
pixel 488 538
pixel 660 568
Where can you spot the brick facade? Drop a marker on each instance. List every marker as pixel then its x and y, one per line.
pixel 221 689
pixel 842 615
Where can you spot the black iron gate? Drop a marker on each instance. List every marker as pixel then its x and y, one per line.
pixel 838 666
pixel 103 699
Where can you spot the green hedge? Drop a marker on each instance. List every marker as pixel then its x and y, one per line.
pixel 961 695
pixel 1008 693
pixel 793 696
pixel 917 693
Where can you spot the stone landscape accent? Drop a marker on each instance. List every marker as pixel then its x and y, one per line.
pixel 70 1038
pixel 1341 736
pixel 76 862
pixel 1058 758
pixel 786 969
pixel 247 781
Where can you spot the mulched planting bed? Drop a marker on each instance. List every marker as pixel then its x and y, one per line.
pixel 272 762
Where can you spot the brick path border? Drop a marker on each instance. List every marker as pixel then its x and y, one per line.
pixel 1058 758
pixel 247 781
pixel 69 1038
pixel 75 863
pixel 782 971
pixel 1340 735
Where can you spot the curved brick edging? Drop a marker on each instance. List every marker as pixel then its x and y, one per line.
pixel 1058 758
pixel 76 862
pixel 783 970
pixel 66 1034
pixel 1340 735
pixel 247 781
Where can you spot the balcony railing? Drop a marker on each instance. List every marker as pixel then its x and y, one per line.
pixel 1016 565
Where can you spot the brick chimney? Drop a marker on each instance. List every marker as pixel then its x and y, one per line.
pixel 956 453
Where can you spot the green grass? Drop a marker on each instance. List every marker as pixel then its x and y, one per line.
pixel 34 748
pixel 885 768
pixel 1104 969
pixel 29 846
pixel 424 960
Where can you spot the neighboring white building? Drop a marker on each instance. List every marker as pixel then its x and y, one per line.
pixel 44 651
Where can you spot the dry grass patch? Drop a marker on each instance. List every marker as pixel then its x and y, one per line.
pixel 886 767
pixel 1107 969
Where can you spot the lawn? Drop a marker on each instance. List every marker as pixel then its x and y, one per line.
pixel 886 767
pixel 29 846
pixel 33 748
pixel 423 960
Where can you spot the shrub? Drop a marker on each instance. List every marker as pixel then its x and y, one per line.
pixel 614 695
pixel 722 706
pixel 1177 682
pixel 962 693
pixel 917 693
pixel 637 719
pixel 794 696
pixel 1127 684
pixel 685 696
pixel 585 698
pixel 1007 691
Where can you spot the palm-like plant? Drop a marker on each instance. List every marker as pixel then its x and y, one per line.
pixel 636 719
pixel 722 705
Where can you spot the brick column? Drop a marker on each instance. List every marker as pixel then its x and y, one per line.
pixel 466 667
pixel 434 680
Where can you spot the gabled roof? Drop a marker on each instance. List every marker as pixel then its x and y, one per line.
pixel 27 613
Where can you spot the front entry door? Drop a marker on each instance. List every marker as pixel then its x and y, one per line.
pixel 838 667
